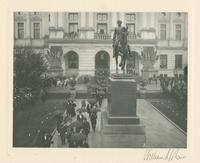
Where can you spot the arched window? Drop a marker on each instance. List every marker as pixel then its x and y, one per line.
pixel 72 60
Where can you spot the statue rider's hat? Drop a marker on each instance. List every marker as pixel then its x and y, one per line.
pixel 119 22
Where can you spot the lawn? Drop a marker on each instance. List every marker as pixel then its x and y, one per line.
pixel 30 124
pixel 176 112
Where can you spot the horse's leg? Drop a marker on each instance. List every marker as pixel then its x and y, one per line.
pixel 122 63
pixel 125 70
pixel 116 60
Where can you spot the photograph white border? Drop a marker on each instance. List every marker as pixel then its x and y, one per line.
pixel 10 154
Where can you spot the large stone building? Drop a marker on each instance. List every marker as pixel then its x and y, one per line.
pixel 81 42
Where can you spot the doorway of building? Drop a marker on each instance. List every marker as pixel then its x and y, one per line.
pixel 71 63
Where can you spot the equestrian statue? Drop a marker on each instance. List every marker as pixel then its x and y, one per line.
pixel 120 46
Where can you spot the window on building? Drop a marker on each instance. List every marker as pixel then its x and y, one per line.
pixel 36 13
pixel 178 31
pixel 49 17
pixel 130 17
pixel 72 60
pixel 131 27
pixel 163 13
pixel 178 62
pixel 73 16
pixel 179 14
pixel 163 61
pixel 163 31
pixel 102 17
pixel 36 30
pixel 20 31
pixel 102 28
pixel 73 27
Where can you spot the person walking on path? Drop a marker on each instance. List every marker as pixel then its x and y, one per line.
pixel 93 120
pixel 84 144
pixel 80 117
pixel 98 121
pixel 86 127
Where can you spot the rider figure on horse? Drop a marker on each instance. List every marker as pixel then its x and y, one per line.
pixel 120 45
pixel 117 38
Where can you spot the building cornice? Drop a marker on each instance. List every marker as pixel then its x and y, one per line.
pixel 172 48
pixel 93 41
pixel 87 29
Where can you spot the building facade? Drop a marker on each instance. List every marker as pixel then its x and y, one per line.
pixel 78 43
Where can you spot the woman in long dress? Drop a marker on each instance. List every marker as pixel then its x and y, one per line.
pixel 98 120
pixel 98 125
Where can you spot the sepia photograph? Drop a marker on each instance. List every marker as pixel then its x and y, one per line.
pixel 100 79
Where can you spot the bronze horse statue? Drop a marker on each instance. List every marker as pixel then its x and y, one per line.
pixel 121 48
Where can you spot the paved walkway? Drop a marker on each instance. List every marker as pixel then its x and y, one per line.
pixel 160 133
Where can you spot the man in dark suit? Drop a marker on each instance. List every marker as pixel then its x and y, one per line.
pixel 84 144
pixel 80 116
pixel 86 127
pixel 93 119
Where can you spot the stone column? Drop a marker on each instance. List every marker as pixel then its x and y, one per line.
pixel 60 31
pixel 91 19
pixel 83 19
pixel 87 19
pixel 28 26
pixel 60 19
pixel 148 17
pixel 144 20
pixel 114 23
pixel 185 27
pixel 170 31
pixel 114 19
pixel 90 32
pixel 52 27
pixel 56 19
pixel 52 19
pixel 122 18
pixel 152 20
pixel 82 25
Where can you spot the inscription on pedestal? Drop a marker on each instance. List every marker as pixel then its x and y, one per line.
pixel 122 101
pixel 123 97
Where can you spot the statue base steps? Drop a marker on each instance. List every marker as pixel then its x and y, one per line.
pixel 120 126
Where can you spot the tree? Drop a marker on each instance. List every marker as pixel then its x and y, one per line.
pixel 28 68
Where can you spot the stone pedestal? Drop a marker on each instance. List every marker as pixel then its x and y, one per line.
pixel 122 108
pixel 120 116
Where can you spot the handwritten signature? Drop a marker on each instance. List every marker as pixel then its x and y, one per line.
pixel 170 155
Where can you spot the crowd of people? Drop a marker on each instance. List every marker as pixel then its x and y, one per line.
pixel 77 122
pixel 60 82
pixel 24 97
pixel 101 77
pixel 175 87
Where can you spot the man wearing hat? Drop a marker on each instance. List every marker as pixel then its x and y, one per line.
pixel 116 37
